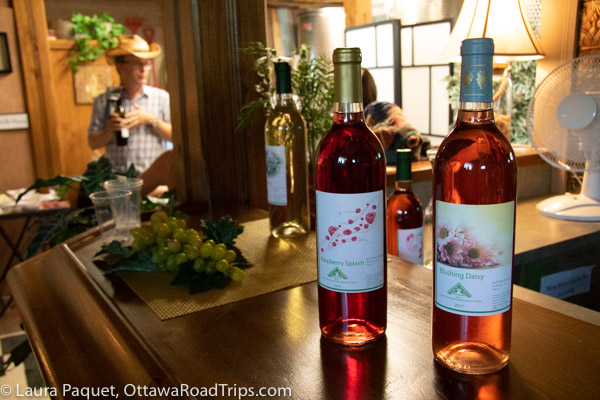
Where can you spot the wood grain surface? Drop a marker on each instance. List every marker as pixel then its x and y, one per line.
pixel 89 329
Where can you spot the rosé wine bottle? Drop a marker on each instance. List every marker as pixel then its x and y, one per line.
pixel 351 222
pixel 475 175
pixel 405 214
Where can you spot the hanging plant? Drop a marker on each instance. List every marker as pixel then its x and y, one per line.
pixel 93 36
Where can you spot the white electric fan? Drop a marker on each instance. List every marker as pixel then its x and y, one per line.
pixel 563 123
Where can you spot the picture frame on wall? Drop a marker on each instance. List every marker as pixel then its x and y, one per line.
pixel 91 81
pixel 5 64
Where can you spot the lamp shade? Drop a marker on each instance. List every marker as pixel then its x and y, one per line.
pixel 502 20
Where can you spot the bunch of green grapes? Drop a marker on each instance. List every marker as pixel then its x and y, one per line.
pixel 171 244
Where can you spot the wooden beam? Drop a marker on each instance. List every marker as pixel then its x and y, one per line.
pixel 305 3
pixel 215 166
pixel 358 12
pixel 30 18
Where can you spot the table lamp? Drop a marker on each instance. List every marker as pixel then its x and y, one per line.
pixel 514 40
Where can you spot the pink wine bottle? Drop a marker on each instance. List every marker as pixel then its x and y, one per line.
pixel 351 222
pixel 475 175
pixel 405 214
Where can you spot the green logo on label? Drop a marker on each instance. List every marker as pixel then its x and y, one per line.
pixel 460 290
pixel 336 273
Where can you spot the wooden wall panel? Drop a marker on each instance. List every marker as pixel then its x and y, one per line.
pixel 254 134
pixel 182 57
pixel 16 164
pixel 72 119
pixel 33 45
pixel 217 102
pixel 214 85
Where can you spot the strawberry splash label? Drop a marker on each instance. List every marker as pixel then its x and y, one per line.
pixel 350 241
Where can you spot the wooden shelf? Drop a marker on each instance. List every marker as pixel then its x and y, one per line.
pixel 421 170
pixel 61 44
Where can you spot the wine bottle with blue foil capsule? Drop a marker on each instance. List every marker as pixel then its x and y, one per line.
pixel 474 194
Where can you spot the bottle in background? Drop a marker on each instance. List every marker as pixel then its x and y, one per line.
pixel 350 197
pixel 405 214
pixel 287 162
pixel 475 175
pixel 123 134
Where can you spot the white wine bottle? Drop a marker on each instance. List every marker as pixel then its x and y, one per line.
pixel 287 162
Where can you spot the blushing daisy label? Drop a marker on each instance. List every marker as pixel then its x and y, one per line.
pixel 474 255
pixel 351 241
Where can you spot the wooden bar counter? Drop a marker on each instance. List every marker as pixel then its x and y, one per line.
pixel 89 330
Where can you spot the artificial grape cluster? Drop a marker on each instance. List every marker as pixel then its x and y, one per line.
pixel 172 244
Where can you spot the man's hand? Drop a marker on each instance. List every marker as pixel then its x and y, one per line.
pixel 137 117
pixel 114 122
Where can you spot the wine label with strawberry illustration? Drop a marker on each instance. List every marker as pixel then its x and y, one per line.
pixel 410 244
pixel 351 241
pixel 474 255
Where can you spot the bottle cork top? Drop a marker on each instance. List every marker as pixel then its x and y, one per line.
pixel 477 46
pixel 347 55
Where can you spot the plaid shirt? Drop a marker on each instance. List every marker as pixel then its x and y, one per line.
pixel 144 144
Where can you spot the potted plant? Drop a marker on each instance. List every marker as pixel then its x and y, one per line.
pixel 93 36
pixel 62 225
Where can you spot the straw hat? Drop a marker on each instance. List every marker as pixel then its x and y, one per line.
pixel 135 45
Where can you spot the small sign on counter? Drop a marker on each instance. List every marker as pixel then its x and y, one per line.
pixel 567 283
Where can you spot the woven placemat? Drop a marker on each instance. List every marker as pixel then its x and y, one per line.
pixel 276 264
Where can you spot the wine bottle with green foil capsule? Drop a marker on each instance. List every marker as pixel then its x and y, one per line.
pixel 405 213
pixel 287 162
pixel 350 220
pixel 474 194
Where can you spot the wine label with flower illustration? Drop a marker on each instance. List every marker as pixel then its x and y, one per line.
pixel 410 244
pixel 276 180
pixel 351 241
pixel 474 254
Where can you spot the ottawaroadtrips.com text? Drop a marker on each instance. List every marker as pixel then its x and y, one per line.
pixel 221 390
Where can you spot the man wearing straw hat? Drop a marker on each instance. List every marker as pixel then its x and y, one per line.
pixel 147 109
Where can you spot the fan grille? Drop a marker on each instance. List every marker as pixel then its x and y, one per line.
pixel 571 150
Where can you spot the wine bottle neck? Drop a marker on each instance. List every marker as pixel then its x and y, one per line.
pixel 475 113
pixel 285 99
pixel 404 186
pixel 348 113
pixel 283 78
pixel 476 71
pixel 348 107
pixel 347 78
pixel 474 106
